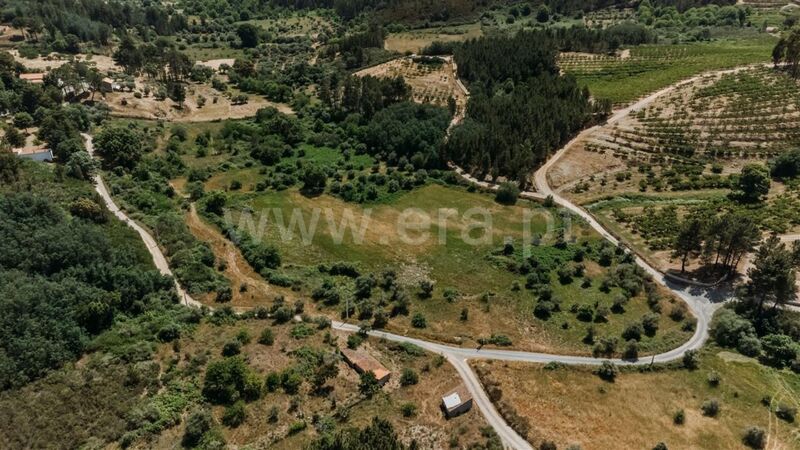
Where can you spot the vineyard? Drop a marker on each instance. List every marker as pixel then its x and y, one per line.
pixel 432 80
pixel 752 113
pixel 632 74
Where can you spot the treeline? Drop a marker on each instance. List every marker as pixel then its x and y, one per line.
pixel 572 39
pixel 582 39
pixel 90 20
pixel 511 133
pixel 408 132
pixel 683 5
pixel 159 60
pixel 67 271
pixel 721 241
pixel 362 95
pixel 354 49
pixel 496 59
pixel 521 108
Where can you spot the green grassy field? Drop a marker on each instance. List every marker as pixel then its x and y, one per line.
pixel 485 287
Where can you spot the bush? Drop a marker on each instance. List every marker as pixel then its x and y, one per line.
pixel 710 408
pixel 650 323
pixel 266 337
pixel 409 377
pixel 368 386
pixel 232 348
pixel 713 378
pixel 779 350
pixel 418 321
pixel 548 445
pixel 690 359
pixel 297 427
pixel 198 423
pixel 234 415
pixel 755 437
pixel 730 328
pixel 631 350
pixel 408 409
pixel 749 346
pixel 786 412
pixel 607 371
pixel 633 331
pixel 507 194
pixel 679 418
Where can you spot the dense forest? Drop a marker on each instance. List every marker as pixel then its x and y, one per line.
pixel 515 80
pixel 69 21
pixel 67 271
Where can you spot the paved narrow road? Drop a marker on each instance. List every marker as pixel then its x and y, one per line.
pixel 158 257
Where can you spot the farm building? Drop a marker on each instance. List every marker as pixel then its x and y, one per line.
pixel 362 362
pixel 109 85
pixel 458 401
pixel 35 78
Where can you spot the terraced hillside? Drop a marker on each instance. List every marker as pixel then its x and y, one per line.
pixel 753 113
pixel 633 73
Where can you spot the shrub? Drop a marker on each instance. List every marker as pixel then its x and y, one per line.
pixel 607 371
pixel 297 427
pixel 779 350
pixel 660 446
pixel 786 412
pixel 418 321
pixel 198 423
pixel 713 378
pixel 679 418
pixel 755 437
pixel 710 408
pixel 631 350
pixel 272 381
pixel 548 445
pixel 231 348
pixel 650 323
pixel 730 328
pixel 368 385
pixel 409 377
pixel 408 409
pixel 234 415
pixel 425 289
pixel 266 337
pixel 633 331
pixel 507 194
pixel 749 346
pixel 690 359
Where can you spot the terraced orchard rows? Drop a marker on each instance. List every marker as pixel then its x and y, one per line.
pixel 633 73
pixel 754 113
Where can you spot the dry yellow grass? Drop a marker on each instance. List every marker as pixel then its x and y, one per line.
pixel 428 425
pixel 573 406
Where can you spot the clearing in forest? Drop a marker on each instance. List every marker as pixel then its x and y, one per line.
pixel 432 79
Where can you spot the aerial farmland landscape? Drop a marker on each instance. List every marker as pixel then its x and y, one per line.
pixel 399 224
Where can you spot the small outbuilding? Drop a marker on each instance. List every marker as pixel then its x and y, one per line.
pixel 109 85
pixel 35 78
pixel 363 362
pixel 456 402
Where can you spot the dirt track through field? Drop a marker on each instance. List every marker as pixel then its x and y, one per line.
pixel 237 270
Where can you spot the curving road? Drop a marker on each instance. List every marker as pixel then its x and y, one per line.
pixel 158 257
pixel 703 302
